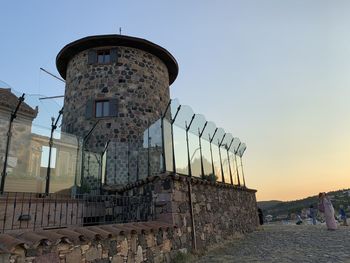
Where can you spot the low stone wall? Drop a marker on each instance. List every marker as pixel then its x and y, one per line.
pixel 219 210
pixel 216 212
pixel 133 242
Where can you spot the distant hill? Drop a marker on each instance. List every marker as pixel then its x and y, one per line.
pixel 268 204
pixel 279 209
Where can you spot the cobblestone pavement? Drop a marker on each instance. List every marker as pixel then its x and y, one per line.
pixel 286 243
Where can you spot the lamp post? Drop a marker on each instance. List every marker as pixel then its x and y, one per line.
pixel 9 134
pixel 53 128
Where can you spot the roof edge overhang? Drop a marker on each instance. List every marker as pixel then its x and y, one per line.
pixel 75 47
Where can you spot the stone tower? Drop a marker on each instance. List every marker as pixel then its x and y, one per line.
pixel 121 81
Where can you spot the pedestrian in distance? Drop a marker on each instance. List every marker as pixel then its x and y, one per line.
pixel 312 214
pixel 299 220
pixel 343 215
pixel 325 206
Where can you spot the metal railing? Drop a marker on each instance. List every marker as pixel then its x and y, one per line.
pixel 21 211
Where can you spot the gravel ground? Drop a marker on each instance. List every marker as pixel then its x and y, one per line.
pixel 286 243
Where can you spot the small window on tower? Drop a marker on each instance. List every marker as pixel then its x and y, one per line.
pixel 103 56
pixel 102 109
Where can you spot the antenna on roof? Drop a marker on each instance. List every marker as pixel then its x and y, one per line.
pixel 120 30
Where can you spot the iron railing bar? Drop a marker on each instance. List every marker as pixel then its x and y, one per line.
pixel 42 211
pixel 48 214
pixel 29 207
pixel 55 210
pixel 20 222
pixel 14 210
pixel 36 213
pixel 5 214
pixel 66 210
pixel 61 201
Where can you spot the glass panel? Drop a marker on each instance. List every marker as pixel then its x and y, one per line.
pixel 66 159
pixel 106 108
pixel 216 160
pixel 184 117
pixel 181 160
pixel 197 124
pixel 233 149
pixel 28 160
pixel 195 152
pixel 117 172
pixel 92 172
pixel 195 156
pixel 207 164
pixel 218 136
pixel 226 143
pixel 228 139
pixel 233 166
pixel 134 156
pixel 225 166
pixel 99 109
pixel 241 149
pixel 155 148
pixel 144 154
pixel 107 58
pixel 168 145
pixel 209 131
pixel 235 144
pixel 100 58
pixel 24 172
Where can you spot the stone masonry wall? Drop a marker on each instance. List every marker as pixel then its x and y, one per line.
pixel 139 82
pixel 219 210
pixel 152 242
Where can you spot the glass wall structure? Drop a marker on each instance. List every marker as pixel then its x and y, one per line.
pixel 180 141
pixel 196 147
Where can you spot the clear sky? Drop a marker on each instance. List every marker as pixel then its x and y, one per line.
pixel 273 73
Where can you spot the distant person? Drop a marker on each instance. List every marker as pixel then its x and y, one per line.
pixel 325 206
pixel 312 214
pixel 343 215
pixel 261 216
pixel 299 220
